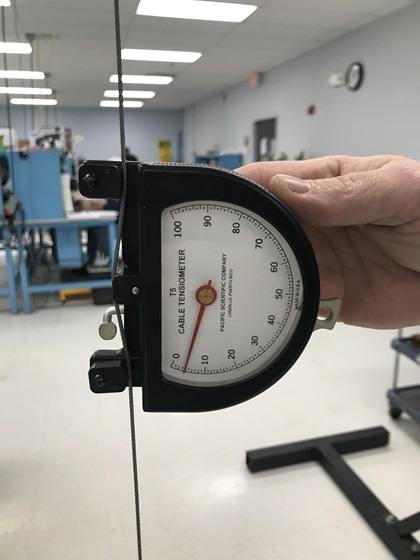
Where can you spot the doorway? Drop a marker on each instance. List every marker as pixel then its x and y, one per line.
pixel 264 139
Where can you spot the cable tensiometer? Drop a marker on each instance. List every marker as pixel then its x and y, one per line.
pixel 220 286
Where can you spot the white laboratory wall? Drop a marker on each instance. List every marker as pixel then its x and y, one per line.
pixel 100 129
pixel 382 117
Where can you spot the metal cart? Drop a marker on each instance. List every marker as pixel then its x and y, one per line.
pixel 404 399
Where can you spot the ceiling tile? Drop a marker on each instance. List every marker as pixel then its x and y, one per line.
pixel 81 56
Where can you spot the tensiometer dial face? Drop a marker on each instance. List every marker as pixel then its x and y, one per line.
pixel 232 293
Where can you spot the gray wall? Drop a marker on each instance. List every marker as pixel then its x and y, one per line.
pixel 100 128
pixel 382 117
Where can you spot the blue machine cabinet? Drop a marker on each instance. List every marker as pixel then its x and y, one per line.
pixel 227 161
pixel 36 180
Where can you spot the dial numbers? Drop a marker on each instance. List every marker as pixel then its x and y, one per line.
pixel 255 293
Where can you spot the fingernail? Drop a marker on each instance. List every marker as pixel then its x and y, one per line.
pixel 294 184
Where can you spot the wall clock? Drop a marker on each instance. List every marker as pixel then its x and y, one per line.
pixel 354 76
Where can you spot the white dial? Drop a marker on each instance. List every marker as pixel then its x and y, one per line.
pixel 232 293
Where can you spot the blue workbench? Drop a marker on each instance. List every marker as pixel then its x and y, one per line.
pixel 10 289
pixel 64 227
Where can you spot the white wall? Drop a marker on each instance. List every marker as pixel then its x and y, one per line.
pixel 382 117
pixel 143 130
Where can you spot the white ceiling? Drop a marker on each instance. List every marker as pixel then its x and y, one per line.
pixel 80 55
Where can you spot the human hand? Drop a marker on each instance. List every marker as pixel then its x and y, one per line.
pixel 362 216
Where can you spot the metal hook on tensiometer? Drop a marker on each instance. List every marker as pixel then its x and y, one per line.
pixel 333 306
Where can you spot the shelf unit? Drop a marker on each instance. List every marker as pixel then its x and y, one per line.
pixel 407 398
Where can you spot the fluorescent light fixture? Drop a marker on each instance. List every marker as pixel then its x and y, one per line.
pixel 130 94
pixel 26 90
pixel 5 3
pixel 160 56
pixel 128 104
pixel 15 48
pixel 29 101
pixel 21 75
pixel 196 9
pixel 141 79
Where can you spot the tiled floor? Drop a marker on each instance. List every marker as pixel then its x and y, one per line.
pixel 65 458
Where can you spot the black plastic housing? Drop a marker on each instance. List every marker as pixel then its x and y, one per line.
pixel 150 189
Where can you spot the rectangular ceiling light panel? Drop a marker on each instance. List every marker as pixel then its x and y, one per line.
pixel 26 90
pixel 130 94
pixel 127 104
pixel 196 9
pixel 160 56
pixel 15 48
pixel 141 79
pixel 21 75
pixel 29 101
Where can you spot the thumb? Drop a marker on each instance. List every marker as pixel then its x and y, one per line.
pixel 353 199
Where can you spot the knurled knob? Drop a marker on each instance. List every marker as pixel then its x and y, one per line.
pixel 107 331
